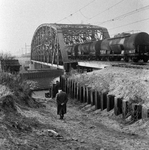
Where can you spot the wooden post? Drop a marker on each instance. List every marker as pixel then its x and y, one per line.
pixel 136 112
pixel 84 93
pixel 68 86
pixel 110 102
pixel 88 95
pixel 97 100
pixel 72 89
pixel 81 94
pixel 145 112
pixel 117 106
pixel 103 100
pixel 77 91
pixel 125 109
pixel 92 97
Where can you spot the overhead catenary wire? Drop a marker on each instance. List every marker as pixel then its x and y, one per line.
pixel 129 23
pixel 76 12
pixel 83 14
pixel 106 10
pixel 125 15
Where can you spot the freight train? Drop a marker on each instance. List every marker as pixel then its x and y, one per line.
pixel 124 46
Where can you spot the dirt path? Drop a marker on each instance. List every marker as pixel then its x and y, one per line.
pixel 83 128
pixel 86 129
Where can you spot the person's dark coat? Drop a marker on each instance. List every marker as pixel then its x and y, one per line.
pixel 61 98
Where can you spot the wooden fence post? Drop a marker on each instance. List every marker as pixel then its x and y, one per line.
pixel 103 100
pixel 110 102
pixel 97 100
pixel 88 95
pixel 136 112
pixel 117 106
pixel 77 91
pixel 145 112
pixel 125 109
pixel 84 94
pixel 66 85
pixel 92 97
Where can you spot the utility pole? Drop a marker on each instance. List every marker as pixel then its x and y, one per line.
pixel 26 48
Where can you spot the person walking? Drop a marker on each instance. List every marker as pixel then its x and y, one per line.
pixel 61 99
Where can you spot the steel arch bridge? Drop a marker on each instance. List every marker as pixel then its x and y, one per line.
pixel 49 41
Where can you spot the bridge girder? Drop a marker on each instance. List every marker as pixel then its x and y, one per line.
pixel 49 40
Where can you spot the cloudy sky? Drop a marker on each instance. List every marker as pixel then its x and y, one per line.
pixel 20 18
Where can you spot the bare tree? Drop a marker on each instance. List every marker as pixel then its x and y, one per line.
pixel 6 56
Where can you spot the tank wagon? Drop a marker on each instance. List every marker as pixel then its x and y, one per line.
pixel 125 46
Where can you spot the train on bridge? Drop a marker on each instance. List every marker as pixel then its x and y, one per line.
pixel 124 46
pixel 59 44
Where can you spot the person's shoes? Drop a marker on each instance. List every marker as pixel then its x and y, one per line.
pixel 61 117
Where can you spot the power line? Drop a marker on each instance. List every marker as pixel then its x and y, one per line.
pixel 76 11
pixel 106 10
pixel 69 20
pixel 129 23
pixel 83 14
pixel 125 15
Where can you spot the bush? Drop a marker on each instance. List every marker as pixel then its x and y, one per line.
pixel 20 88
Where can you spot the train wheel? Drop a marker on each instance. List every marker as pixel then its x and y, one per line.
pixel 145 59
pixel 135 59
pixel 99 58
pixel 126 59
pixel 110 58
pixel 118 58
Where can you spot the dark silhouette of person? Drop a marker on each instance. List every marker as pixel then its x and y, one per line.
pixel 61 99
pixel 55 89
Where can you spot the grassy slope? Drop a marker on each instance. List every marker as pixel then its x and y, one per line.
pixel 130 84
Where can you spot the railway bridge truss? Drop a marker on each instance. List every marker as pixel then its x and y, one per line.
pixel 49 42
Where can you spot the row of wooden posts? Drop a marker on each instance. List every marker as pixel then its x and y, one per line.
pixel 102 100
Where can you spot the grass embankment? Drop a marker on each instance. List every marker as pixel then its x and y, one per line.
pixel 15 96
pixel 129 84
pixel 16 88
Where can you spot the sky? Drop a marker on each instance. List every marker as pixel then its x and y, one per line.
pixel 20 18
